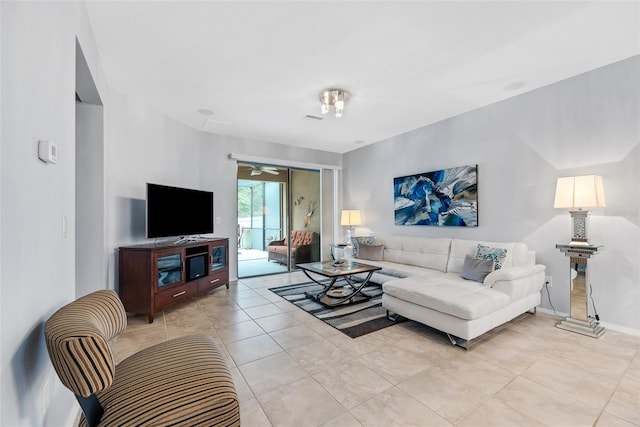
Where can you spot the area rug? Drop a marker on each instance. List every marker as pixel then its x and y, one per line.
pixel 353 320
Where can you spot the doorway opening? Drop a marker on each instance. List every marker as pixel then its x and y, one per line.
pixel 276 204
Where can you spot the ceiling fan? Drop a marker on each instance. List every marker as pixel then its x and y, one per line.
pixel 257 170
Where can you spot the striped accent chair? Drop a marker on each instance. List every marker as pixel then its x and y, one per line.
pixel 181 382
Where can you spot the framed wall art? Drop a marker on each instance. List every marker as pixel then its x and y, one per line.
pixel 446 197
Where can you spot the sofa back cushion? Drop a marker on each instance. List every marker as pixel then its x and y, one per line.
pixel 301 237
pixel 424 252
pixel 517 253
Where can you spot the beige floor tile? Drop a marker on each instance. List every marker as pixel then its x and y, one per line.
pixel 344 420
pixel 262 311
pixel 194 320
pixel 322 328
pixel 625 402
pixel 351 383
pixel 296 336
pixel 222 319
pixel 610 420
pixel 302 316
pixel 242 293
pixel 271 296
pixel 242 388
pixel 253 301
pixel 183 311
pixel 538 374
pixel 500 353
pixel 394 407
pixel 223 349
pixel 130 343
pixel 304 403
pixel 252 415
pixel 318 356
pixel 497 414
pixel 251 349
pixel 175 331
pixel 546 405
pixel 448 397
pixel 221 304
pixel 477 373
pixel 277 322
pixel 141 322
pixel 358 346
pixel 272 372
pixel 584 386
pixel 285 305
pixel 394 364
pixel 239 331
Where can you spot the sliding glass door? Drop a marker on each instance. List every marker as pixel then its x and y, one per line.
pixel 274 204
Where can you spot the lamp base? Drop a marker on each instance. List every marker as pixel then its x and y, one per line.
pixel 348 235
pixel 589 327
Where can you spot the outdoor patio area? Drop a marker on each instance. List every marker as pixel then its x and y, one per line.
pixel 253 262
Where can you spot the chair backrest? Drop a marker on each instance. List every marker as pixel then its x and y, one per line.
pixel 77 337
pixel 301 237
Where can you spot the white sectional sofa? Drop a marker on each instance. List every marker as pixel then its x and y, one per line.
pixel 422 280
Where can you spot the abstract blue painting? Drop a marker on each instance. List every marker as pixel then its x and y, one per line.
pixel 447 197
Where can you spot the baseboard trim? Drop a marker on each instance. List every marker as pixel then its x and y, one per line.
pixel 611 326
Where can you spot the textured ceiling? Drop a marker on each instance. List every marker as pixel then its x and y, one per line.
pixel 260 66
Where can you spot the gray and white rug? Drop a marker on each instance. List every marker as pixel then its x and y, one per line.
pixel 353 320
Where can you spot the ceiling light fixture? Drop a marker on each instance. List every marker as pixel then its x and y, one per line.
pixel 333 98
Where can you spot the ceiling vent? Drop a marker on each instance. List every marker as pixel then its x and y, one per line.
pixel 312 117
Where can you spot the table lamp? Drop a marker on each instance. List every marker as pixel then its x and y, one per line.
pixel 350 218
pixel 579 192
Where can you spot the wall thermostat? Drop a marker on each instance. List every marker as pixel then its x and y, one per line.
pixel 47 151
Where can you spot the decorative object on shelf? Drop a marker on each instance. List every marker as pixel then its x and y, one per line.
pixel 350 218
pixel 333 98
pixel 446 197
pixel 579 320
pixel 579 192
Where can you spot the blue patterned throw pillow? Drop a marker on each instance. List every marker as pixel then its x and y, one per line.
pixel 365 240
pixel 497 255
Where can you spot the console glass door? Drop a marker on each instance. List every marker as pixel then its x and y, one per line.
pixel 169 269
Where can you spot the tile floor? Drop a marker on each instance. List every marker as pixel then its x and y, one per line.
pixel 291 369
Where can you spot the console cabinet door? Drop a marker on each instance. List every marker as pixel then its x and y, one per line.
pixel 169 268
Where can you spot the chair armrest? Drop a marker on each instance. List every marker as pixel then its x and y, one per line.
pixel 276 243
pixel 517 281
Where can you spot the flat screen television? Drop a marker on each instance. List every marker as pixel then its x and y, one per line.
pixel 178 212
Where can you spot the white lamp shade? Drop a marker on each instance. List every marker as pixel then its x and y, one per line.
pixel 350 217
pixel 585 191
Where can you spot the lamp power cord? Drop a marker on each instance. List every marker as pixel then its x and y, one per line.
pixel 593 303
pixel 546 287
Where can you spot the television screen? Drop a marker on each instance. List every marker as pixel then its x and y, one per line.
pixel 174 211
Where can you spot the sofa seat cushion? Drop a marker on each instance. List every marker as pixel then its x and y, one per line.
pixel 184 381
pixel 282 250
pixel 449 294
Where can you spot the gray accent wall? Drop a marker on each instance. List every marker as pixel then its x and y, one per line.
pixel 588 124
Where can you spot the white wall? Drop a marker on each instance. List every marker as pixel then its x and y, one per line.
pixel 91 266
pixel 143 145
pixel 588 124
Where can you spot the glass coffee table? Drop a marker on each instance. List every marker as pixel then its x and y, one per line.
pixel 342 288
